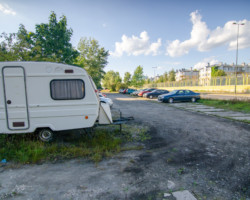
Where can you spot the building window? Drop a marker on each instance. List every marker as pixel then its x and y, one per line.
pixel 70 89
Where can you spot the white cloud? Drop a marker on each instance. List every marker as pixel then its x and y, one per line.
pixel 211 61
pixel 204 39
pixel 4 8
pixel 136 45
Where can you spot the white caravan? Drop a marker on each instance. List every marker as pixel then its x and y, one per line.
pixel 47 97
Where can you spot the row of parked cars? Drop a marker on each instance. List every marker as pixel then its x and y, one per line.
pixel 127 91
pixel 164 95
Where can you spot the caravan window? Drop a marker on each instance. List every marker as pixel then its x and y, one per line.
pixel 67 89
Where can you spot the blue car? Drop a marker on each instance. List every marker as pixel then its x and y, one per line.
pixel 179 95
pixel 129 91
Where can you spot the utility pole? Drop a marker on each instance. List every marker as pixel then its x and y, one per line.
pixel 154 71
pixel 238 26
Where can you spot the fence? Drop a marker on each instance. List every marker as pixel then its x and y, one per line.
pixel 243 79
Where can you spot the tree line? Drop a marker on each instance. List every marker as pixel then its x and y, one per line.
pixel 51 42
pixel 113 81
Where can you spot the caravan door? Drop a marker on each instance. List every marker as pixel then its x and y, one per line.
pixel 15 96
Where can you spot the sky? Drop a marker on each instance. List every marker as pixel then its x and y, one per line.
pixel 159 35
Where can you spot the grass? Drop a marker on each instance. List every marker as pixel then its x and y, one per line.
pixel 103 142
pixel 234 105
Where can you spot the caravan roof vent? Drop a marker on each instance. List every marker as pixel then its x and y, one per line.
pixel 69 71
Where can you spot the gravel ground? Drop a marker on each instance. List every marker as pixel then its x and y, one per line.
pixel 205 155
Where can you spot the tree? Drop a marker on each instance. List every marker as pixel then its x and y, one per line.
pixel 127 79
pixel 112 80
pixel 52 41
pixel 148 81
pixel 119 86
pixel 215 72
pixel 171 76
pixel 24 44
pixel 6 47
pixel 165 77
pixel 92 58
pixel 161 79
pixel 138 78
pixel 221 73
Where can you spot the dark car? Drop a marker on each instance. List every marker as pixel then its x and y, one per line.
pixel 155 93
pixel 179 95
pixel 146 91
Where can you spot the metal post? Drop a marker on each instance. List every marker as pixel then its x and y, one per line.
pixel 235 84
pixel 154 72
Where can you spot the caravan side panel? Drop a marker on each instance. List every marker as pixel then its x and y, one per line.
pixel 46 108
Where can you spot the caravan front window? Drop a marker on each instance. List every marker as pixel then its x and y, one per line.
pixel 70 89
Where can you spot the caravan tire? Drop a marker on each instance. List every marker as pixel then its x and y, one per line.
pixel 46 135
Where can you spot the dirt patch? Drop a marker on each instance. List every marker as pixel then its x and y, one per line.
pixel 206 155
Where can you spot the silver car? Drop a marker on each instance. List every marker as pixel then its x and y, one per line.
pixel 106 100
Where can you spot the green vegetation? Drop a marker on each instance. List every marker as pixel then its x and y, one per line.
pixel 216 72
pixel 138 77
pixel 51 42
pixel 111 80
pixel 241 106
pixel 102 142
pixel 171 75
pixel 127 79
pixel 92 58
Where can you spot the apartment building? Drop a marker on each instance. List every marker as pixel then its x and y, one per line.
pixel 205 73
pixel 185 74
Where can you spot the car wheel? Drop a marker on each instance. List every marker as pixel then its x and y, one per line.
pixel 151 97
pixel 171 100
pixel 46 135
pixel 193 100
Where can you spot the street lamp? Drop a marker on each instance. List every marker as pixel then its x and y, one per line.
pixel 154 71
pixel 238 24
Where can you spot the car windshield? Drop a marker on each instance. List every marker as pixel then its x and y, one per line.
pixel 173 92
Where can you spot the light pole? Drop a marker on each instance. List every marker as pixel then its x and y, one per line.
pixel 238 26
pixel 154 71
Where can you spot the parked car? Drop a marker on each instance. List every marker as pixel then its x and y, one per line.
pixel 106 100
pixel 124 91
pixel 121 91
pixel 146 91
pixel 155 93
pixel 129 91
pixel 179 95
pixel 135 93
pixel 103 94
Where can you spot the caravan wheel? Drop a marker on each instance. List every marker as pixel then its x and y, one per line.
pixel 46 135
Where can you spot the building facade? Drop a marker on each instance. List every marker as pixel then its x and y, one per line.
pixel 205 73
pixel 185 74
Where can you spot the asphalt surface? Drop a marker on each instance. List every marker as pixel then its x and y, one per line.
pixel 188 151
